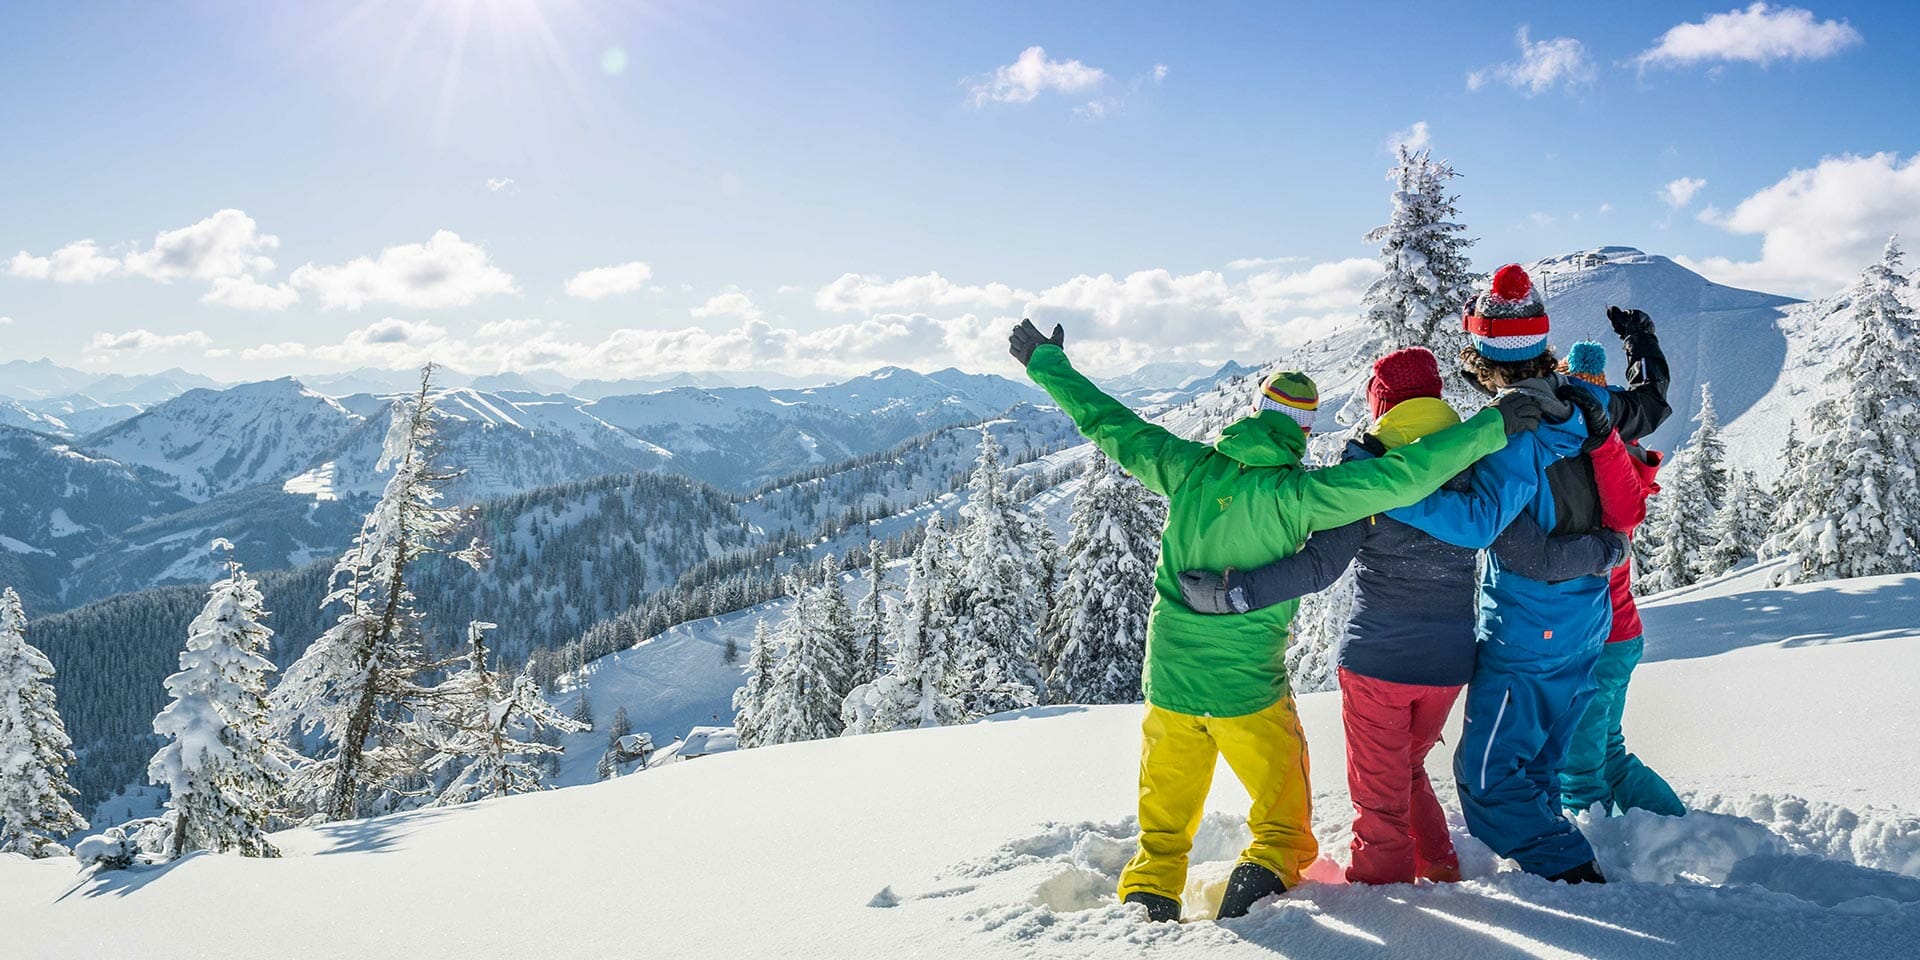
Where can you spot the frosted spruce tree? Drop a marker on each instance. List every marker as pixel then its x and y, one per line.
pixel 358 683
pixel 870 621
pixel 999 592
pixel 812 681
pixel 1423 251
pixel 1101 621
pixel 919 689
pixel 480 726
pixel 1738 528
pixel 1692 489
pixel 222 765
pixel 750 700
pixel 1851 507
pixel 35 751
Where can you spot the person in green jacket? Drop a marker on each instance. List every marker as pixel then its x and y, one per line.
pixel 1218 685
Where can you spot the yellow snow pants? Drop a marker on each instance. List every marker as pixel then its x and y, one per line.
pixel 1266 750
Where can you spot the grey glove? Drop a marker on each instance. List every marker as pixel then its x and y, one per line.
pixel 1204 591
pixel 1520 411
pixel 1592 410
pixel 1616 549
pixel 1026 338
pixel 1629 322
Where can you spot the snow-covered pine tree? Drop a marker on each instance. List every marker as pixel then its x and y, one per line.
pixel 583 709
pixel 1852 509
pixel 1428 276
pixel 1101 625
pixel 811 683
pixel 919 690
pixel 749 701
pixel 222 765
pixel 1692 489
pixel 870 622
pixel 475 719
pixel 998 592
pixel 621 727
pixel 1738 527
pixel 35 750
pixel 357 682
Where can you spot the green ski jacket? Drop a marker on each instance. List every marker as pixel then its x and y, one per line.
pixel 1240 504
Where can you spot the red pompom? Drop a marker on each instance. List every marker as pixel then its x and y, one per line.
pixel 1512 283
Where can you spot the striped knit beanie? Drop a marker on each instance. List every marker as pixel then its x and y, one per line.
pixel 1587 360
pixel 1291 393
pixel 1508 323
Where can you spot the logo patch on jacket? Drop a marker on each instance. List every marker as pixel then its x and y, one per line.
pixel 1225 502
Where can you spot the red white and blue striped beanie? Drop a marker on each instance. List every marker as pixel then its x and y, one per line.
pixel 1291 393
pixel 1508 323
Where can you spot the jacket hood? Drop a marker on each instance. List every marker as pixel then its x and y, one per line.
pixel 1409 420
pixel 1564 431
pixel 1267 439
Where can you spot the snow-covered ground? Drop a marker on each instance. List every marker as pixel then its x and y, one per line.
pixel 1787 716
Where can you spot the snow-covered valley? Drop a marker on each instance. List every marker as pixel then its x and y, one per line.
pixel 1784 715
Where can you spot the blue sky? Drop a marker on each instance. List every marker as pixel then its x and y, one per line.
pixel 411 178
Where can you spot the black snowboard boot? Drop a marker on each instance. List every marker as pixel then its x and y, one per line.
pixel 1159 909
pixel 1588 872
pixel 1249 883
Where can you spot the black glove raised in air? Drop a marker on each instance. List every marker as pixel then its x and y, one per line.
pixel 1593 410
pixel 1626 323
pixel 1026 338
pixel 1521 411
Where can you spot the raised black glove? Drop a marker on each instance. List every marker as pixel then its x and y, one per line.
pixel 1592 410
pixel 1520 411
pixel 1204 591
pixel 1626 323
pixel 1026 338
pixel 1616 548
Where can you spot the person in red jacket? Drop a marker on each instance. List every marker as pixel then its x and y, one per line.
pixel 1598 769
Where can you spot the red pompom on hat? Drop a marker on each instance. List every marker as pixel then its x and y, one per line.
pixel 1512 283
pixel 1403 375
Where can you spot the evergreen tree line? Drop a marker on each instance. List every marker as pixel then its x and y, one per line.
pixel 993 616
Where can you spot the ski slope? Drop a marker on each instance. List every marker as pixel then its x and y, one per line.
pixel 1786 716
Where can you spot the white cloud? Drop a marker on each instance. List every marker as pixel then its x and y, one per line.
pixel 1820 227
pixel 1160 72
pixel 1255 263
pixel 1559 62
pixel 274 351
pixel 6 321
pixel 733 303
pixel 497 184
pixel 146 340
pixel 1606 208
pixel 1032 74
pixel 1416 137
pixel 602 282
pixel 446 271
pixel 77 262
pixel 853 292
pixel 503 329
pixel 1758 34
pixel 1679 193
pixel 226 244
pixel 246 293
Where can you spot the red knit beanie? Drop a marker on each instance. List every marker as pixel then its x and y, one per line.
pixel 1402 375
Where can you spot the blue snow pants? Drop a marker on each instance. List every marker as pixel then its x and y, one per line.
pixel 1599 769
pixel 1523 707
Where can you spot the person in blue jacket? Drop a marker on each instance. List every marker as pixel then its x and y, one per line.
pixel 1539 638
pixel 1408 648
